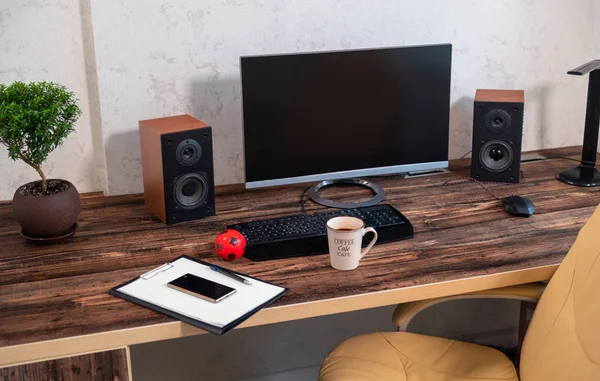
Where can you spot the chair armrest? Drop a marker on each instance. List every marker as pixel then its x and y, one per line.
pixel 529 292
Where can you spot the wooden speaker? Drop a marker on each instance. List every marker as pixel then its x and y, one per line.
pixel 497 135
pixel 177 165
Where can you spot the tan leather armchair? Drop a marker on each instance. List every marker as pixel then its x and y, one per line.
pixel 561 344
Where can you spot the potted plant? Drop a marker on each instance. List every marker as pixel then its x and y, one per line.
pixel 35 118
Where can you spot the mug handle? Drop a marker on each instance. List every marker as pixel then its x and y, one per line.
pixel 366 250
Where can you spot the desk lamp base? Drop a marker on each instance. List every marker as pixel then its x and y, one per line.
pixel 580 176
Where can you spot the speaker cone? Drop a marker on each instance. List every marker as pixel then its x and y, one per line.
pixel 188 152
pixel 190 190
pixel 496 156
pixel 497 121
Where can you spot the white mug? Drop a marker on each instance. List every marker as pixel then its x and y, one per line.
pixel 345 236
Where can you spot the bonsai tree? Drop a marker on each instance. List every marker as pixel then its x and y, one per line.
pixel 35 118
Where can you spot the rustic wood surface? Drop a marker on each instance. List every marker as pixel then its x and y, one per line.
pixel 60 291
pixel 106 366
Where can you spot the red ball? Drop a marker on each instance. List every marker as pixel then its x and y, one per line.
pixel 230 245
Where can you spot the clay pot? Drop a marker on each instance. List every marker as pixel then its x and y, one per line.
pixel 46 215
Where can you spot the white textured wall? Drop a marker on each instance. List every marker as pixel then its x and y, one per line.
pixel 597 29
pixel 596 38
pixel 596 41
pixel 169 57
pixel 160 57
pixel 43 40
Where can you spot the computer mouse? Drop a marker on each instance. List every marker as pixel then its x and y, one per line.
pixel 518 206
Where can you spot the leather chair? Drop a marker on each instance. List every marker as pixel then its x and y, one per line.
pixel 562 342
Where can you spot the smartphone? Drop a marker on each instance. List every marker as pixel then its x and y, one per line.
pixel 201 288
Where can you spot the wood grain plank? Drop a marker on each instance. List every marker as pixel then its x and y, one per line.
pixel 104 366
pixel 462 235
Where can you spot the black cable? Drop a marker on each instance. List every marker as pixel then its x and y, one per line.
pixel 462 180
pixel 302 206
pixel 564 158
pixel 465 155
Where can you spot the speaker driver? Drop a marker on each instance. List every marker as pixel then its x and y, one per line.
pixel 496 156
pixel 188 152
pixel 190 190
pixel 497 121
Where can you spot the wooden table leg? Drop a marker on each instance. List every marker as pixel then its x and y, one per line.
pixel 103 366
pixel 129 368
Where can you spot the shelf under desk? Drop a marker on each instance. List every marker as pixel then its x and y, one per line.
pixel 54 301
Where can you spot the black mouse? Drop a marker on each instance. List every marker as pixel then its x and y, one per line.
pixel 518 206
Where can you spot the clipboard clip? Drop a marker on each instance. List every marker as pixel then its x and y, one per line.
pixel 156 271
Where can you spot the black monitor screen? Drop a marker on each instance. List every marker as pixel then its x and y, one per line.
pixel 320 113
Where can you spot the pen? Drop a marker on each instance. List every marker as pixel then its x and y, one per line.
pixel 229 274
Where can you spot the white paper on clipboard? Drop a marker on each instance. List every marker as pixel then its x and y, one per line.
pixel 152 288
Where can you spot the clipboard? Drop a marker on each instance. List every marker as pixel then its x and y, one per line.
pixel 150 290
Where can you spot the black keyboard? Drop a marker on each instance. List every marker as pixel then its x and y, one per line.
pixel 301 235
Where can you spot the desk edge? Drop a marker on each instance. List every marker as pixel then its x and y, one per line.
pixel 122 338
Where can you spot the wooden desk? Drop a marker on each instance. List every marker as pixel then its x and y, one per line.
pixel 54 301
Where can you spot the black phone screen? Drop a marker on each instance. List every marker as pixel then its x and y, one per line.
pixel 201 287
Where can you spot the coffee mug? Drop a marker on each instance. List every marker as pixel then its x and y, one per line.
pixel 345 236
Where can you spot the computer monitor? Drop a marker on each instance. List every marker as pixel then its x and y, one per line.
pixel 345 114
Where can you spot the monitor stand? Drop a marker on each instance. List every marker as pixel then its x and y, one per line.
pixel 378 193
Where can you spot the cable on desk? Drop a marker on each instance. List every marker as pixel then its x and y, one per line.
pixel 564 158
pixel 302 196
pixel 463 180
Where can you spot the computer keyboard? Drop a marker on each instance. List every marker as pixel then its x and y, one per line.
pixel 301 235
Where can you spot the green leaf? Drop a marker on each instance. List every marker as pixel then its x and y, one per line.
pixel 35 118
